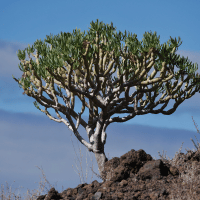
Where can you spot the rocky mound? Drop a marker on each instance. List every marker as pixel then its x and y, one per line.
pixel 135 175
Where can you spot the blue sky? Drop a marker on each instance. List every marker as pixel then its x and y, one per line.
pixel 28 138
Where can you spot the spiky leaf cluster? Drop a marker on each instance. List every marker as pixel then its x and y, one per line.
pixel 85 65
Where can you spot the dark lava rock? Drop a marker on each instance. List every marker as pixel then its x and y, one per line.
pixel 135 175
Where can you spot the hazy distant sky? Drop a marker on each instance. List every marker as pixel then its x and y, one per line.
pixel 28 138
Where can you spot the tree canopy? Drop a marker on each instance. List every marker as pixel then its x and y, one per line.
pixel 97 67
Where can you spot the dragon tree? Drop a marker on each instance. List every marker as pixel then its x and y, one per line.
pixel 99 66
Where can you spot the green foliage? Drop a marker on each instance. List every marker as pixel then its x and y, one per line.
pixel 68 48
pixel 21 54
pixel 41 47
pixel 150 40
pixel 132 43
pixel 69 45
pixel 30 49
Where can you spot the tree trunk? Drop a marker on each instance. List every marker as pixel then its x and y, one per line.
pixel 98 140
pixel 99 153
pixel 101 160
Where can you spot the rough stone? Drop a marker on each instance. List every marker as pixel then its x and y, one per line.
pixel 135 175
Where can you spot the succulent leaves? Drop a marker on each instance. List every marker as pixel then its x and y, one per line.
pixel 83 64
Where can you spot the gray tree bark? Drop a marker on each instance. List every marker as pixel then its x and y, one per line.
pixel 98 140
